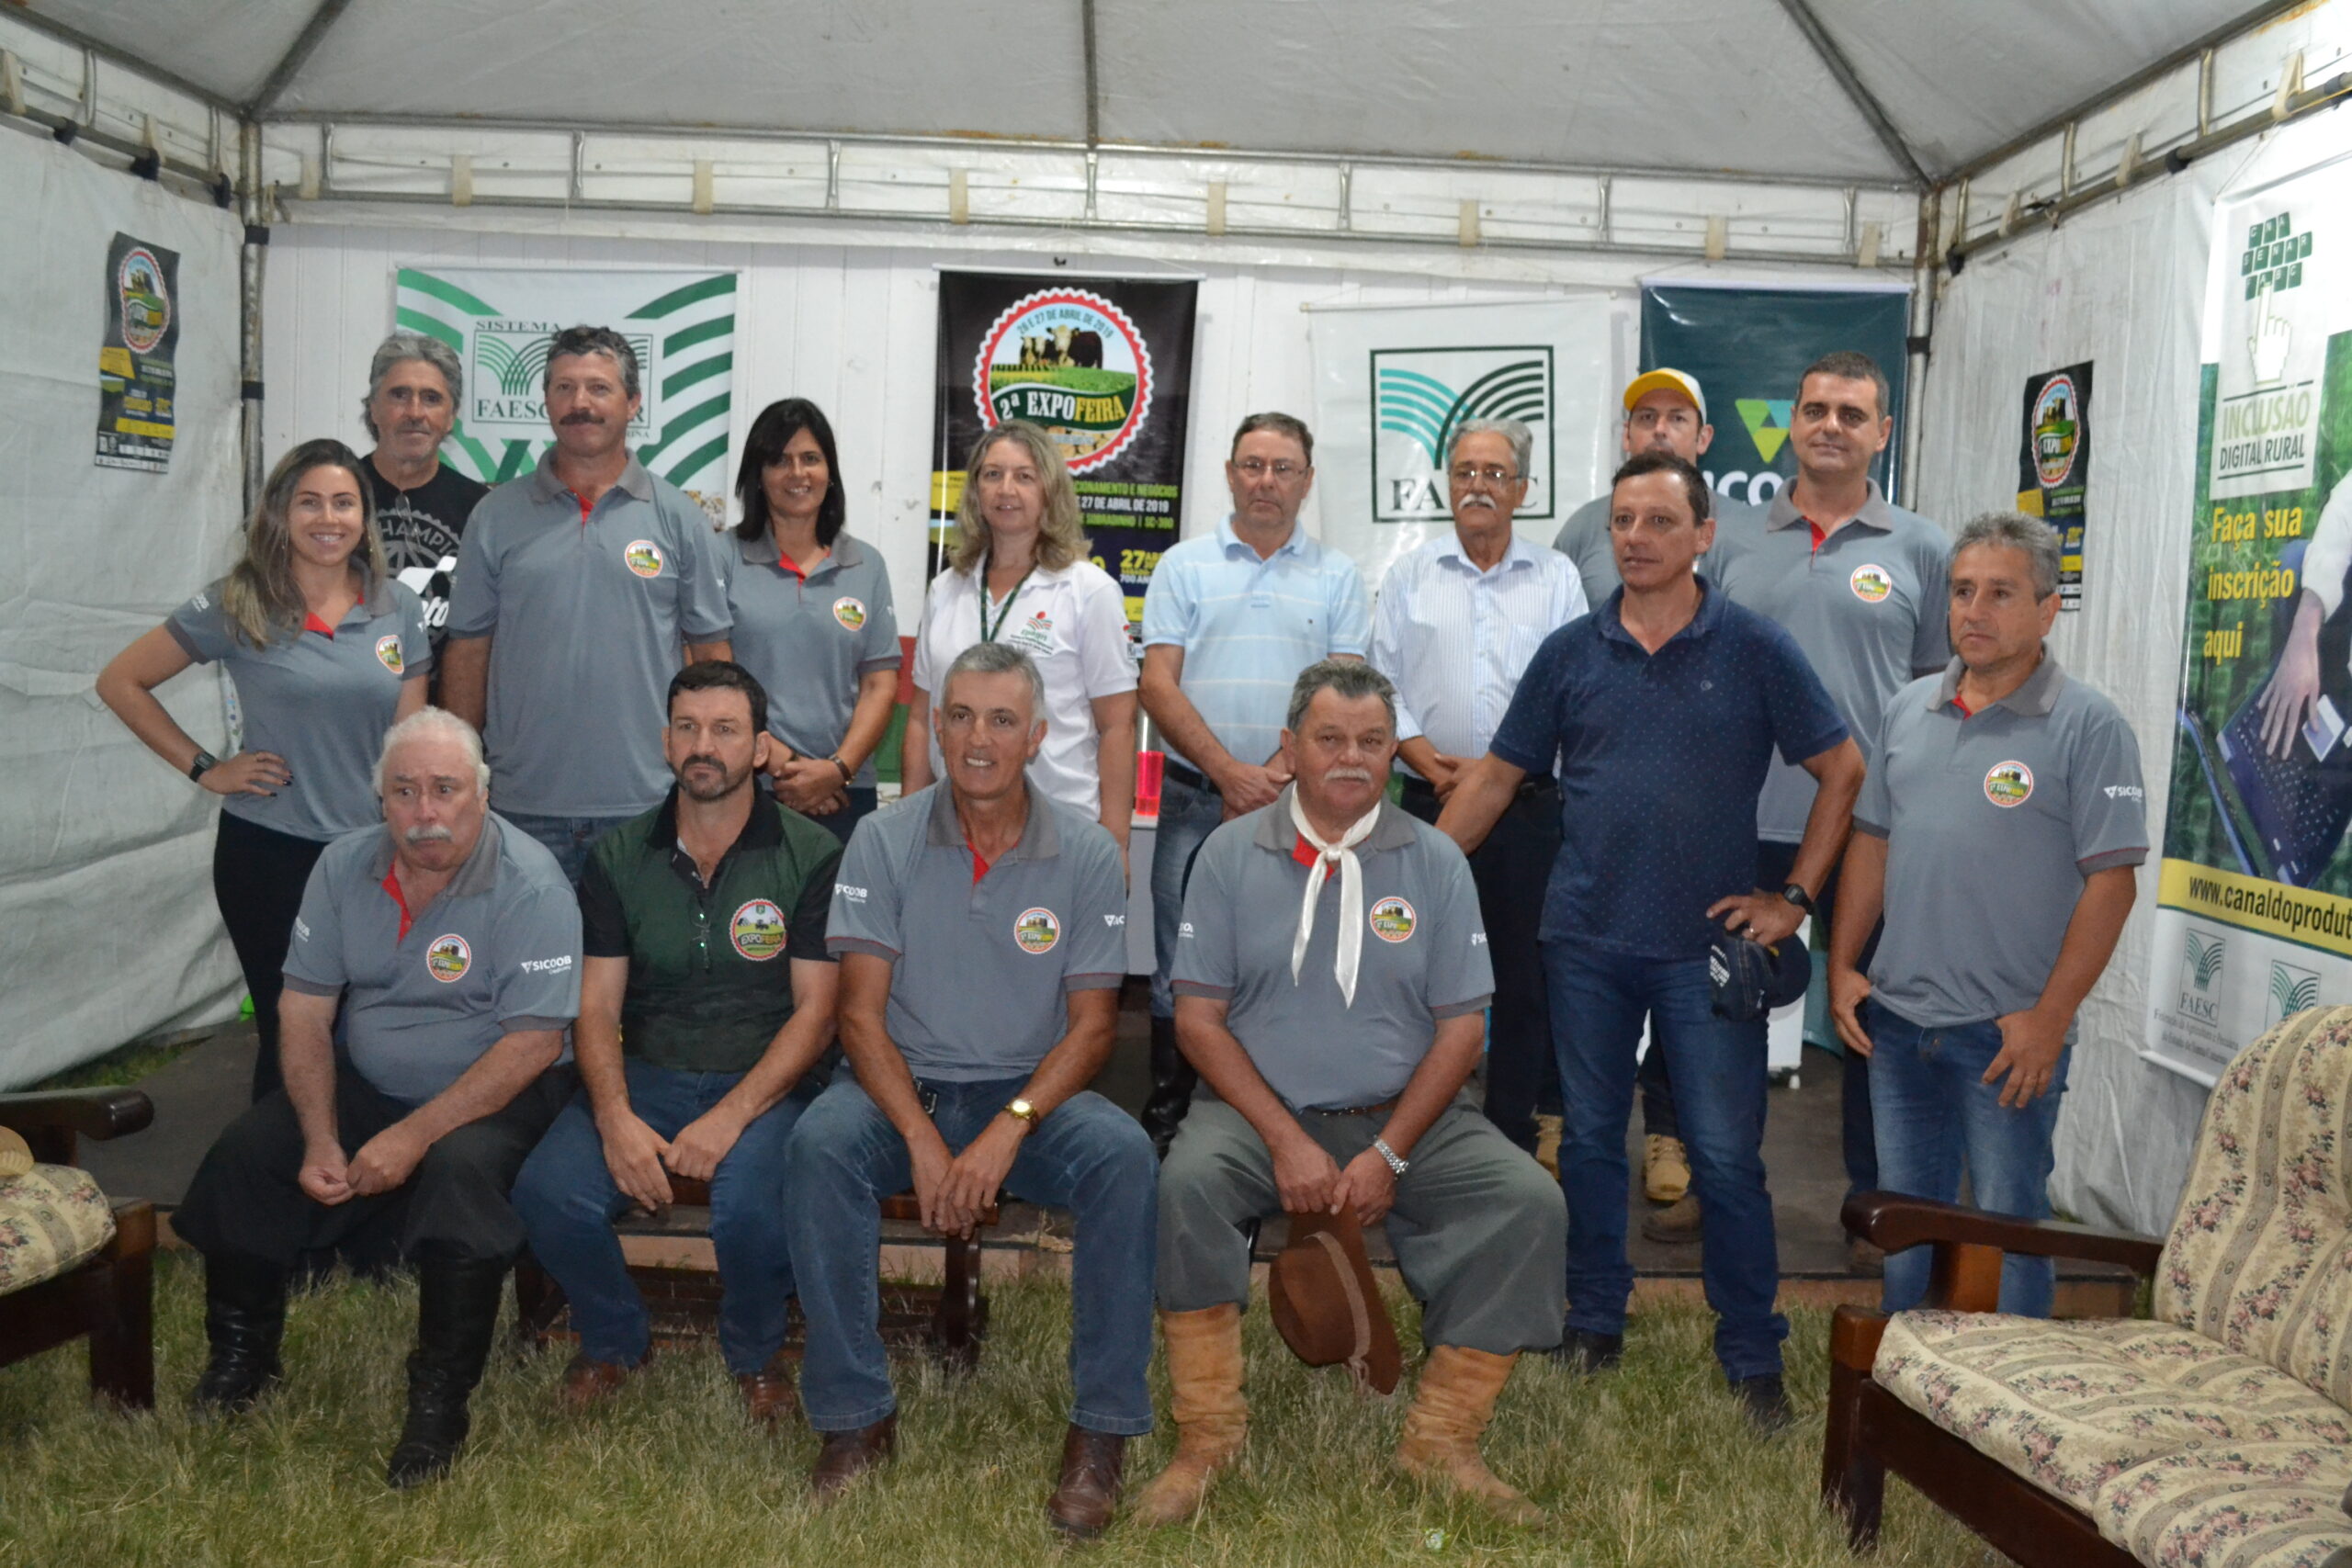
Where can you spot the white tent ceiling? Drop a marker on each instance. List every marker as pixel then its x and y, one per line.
pixel 1874 91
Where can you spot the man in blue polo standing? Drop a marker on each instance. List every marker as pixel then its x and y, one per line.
pixel 1662 711
pixel 1230 621
pixel 582 588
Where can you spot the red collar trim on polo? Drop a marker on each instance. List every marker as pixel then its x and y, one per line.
pixel 786 563
pixel 310 623
pixel 1305 854
pixel 1961 703
pixel 393 887
pixel 1820 533
pixel 584 506
pixel 979 867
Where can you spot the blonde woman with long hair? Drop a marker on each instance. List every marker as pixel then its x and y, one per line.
pixel 1020 574
pixel 327 652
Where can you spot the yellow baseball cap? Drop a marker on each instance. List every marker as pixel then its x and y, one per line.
pixel 1666 380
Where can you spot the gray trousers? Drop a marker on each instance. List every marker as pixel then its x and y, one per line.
pixel 1480 1231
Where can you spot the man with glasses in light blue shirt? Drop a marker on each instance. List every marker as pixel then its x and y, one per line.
pixel 1457 622
pixel 1230 619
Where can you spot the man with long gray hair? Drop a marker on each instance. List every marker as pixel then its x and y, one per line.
pixel 415 384
pixel 434 973
pixel 1457 621
pixel 2000 831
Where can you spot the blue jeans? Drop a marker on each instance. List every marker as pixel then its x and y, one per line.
pixel 1933 1111
pixel 1718 1068
pixel 1087 1155
pixel 567 838
pixel 1187 815
pixel 568 1202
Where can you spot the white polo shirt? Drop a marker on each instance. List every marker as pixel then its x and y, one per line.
pixel 1073 624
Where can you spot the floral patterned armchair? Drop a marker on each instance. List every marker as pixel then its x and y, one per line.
pixel 2215 1435
pixel 71 1264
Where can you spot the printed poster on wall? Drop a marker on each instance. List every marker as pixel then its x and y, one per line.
pixel 2254 917
pixel 2054 466
pixel 1393 383
pixel 1749 347
pixel 500 320
pixel 135 374
pixel 1105 365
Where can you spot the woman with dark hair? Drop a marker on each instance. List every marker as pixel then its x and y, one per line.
pixel 813 618
pixel 327 650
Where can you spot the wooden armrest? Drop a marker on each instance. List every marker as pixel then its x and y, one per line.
pixel 1892 1223
pixel 694 1194
pixel 50 1122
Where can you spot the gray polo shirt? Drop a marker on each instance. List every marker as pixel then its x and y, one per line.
pixel 1870 605
pixel 1584 540
pixel 427 991
pixel 983 965
pixel 589 609
pixel 321 698
pixel 809 638
pixel 1992 821
pixel 1424 958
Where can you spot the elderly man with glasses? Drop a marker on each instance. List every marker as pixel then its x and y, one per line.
pixel 1458 620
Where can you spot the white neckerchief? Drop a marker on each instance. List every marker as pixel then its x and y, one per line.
pixel 1343 854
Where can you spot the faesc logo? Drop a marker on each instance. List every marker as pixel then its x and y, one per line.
pixel 1421 396
pixel 849 612
pixel 643 557
pixel 1392 920
pixel 1070 361
pixel 757 931
pixel 1036 930
pixel 146 305
pixel 387 654
pixel 2009 784
pixel 1870 583
pixel 2057 431
pixel 447 958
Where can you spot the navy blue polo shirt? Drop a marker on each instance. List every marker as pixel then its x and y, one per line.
pixel 1660 759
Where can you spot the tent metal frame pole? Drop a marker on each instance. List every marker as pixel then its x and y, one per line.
pixel 1865 102
pixel 162 76
pixel 1093 92
pixel 298 54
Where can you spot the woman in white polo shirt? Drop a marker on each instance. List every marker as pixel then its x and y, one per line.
pixel 1019 574
pixel 328 650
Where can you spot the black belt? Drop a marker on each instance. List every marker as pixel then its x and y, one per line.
pixel 1173 769
pixel 1528 789
pixel 1382 1109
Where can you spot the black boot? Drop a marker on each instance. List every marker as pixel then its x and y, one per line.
pixel 457 1311
pixel 1172 1086
pixel 244 1318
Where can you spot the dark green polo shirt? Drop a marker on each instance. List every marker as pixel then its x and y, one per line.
pixel 709 968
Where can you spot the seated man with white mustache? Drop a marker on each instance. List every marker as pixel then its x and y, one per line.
pixel 449 942
pixel 1331 1070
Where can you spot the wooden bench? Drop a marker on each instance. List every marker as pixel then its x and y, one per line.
pixel 109 1298
pixel 952 1334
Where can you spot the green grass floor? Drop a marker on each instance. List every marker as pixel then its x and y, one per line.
pixel 1649 1466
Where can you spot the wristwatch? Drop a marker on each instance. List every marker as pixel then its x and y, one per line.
pixel 203 760
pixel 1397 1163
pixel 1020 1111
pixel 1796 895
pixel 849 775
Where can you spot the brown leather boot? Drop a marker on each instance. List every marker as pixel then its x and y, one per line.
pixel 1212 1418
pixel 1092 1464
pixel 1442 1431
pixel 587 1383
pixel 848 1455
pixel 768 1396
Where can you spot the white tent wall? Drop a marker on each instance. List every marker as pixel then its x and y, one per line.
pixel 854 325
pixel 108 928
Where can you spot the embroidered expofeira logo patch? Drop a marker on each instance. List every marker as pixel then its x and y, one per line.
pixel 849 612
pixel 643 557
pixel 2009 784
pixel 449 958
pixel 1392 920
pixel 1036 930
pixel 757 931
pixel 387 654
pixel 1870 583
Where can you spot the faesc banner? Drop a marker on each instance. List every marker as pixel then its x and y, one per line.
pixel 1105 365
pixel 2054 466
pixel 1749 347
pixel 137 380
pixel 501 322
pixel 1394 382
pixel 2254 918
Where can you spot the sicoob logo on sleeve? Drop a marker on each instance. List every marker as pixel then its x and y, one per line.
pixel 2009 784
pixel 1392 920
pixel 1036 930
pixel 449 958
pixel 643 557
pixel 757 931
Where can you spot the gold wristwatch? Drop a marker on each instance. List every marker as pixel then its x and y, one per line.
pixel 1020 1111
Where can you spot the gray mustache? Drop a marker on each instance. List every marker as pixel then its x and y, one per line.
pixel 427 835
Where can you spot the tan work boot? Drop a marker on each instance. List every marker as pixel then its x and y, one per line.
pixel 1442 1431
pixel 1547 1145
pixel 1666 1169
pixel 1212 1418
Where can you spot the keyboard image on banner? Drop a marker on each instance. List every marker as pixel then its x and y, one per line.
pixel 2299 804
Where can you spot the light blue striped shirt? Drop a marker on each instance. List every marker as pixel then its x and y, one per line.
pixel 1455 639
pixel 1247 626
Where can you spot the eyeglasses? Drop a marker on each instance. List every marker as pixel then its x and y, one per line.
pixel 1257 467
pixel 1462 474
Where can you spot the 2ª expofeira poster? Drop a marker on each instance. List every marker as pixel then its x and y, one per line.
pixel 2254 917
